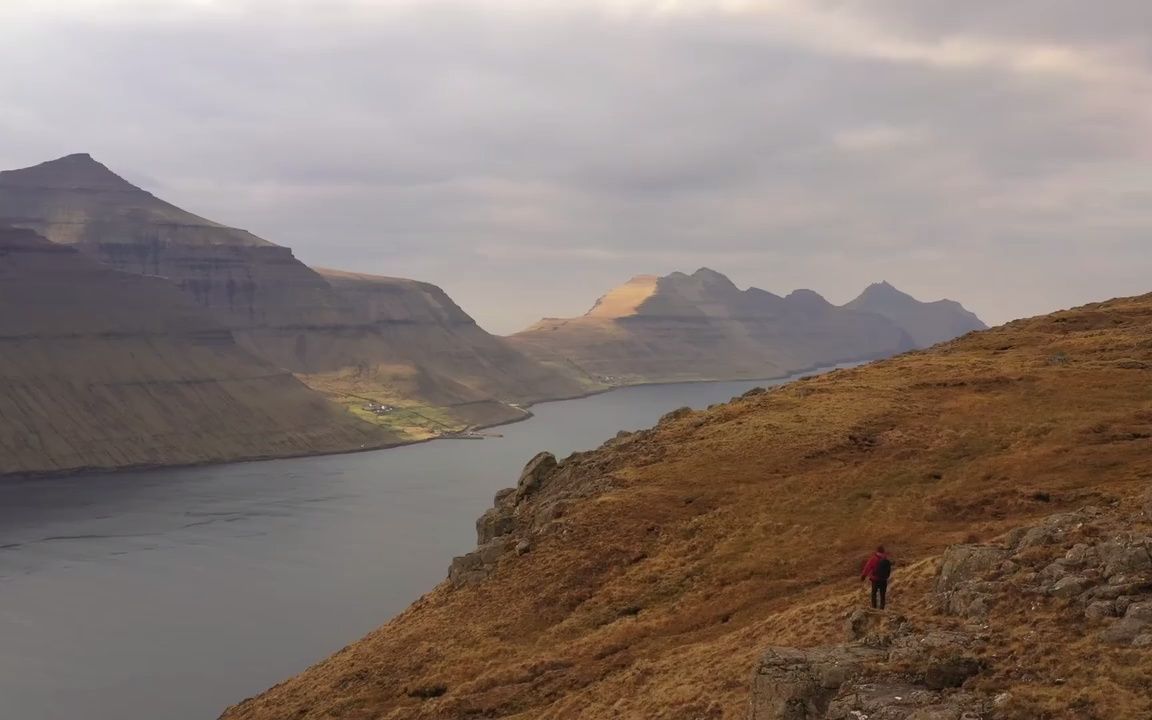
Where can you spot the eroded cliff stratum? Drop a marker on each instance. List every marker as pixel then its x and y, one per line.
pixel 363 340
pixel 105 369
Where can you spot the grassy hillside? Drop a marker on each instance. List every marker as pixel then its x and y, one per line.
pixel 653 571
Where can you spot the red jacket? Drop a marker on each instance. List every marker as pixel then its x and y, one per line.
pixel 869 571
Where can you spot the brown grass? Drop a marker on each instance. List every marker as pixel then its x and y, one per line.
pixel 741 527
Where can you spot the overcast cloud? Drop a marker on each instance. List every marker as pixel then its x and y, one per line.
pixel 528 155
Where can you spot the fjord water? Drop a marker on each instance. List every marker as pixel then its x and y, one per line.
pixel 172 594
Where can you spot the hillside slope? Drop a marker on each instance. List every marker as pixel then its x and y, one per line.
pixel 646 578
pixel 104 369
pixel 702 327
pixel 401 344
pixel 927 323
pixel 408 341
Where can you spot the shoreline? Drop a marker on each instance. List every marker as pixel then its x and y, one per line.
pixel 528 415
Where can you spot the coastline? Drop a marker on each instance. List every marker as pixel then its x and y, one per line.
pixel 528 415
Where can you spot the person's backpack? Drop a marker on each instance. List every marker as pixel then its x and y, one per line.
pixel 883 569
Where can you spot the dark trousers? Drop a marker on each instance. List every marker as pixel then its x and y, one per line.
pixel 879 593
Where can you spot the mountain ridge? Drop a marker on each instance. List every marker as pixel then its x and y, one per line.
pixel 701 326
pixel 927 322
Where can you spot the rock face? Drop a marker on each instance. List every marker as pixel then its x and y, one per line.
pixel 535 507
pixel 247 282
pixel 926 323
pixel 702 327
pixel 352 336
pixel 105 369
pixel 519 513
pixel 1100 571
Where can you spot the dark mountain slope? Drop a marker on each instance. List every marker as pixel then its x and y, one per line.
pixel 702 327
pixel 105 369
pixel 927 323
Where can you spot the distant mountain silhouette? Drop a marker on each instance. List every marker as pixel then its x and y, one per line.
pixel 927 322
pixel 702 327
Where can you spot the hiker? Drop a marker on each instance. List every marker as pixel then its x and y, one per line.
pixel 878 569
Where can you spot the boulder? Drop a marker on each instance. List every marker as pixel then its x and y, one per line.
pixel 967 563
pixel 466 569
pixel 1033 537
pixel 873 627
pixel 1081 555
pixel 939 659
pixel 1100 610
pixel 1123 631
pixel 1125 557
pixel 866 700
pixel 793 684
pixel 1053 572
pixel 1069 587
pixel 950 672
pixel 536 473
pixel 495 522
pixel 505 498
pixel 902 701
pixel 1140 611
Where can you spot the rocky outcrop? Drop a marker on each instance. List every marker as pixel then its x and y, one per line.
pixel 702 327
pixel 927 323
pixel 352 336
pixel 505 527
pixel 907 675
pixel 888 669
pixel 105 369
pixel 891 669
pixel 1107 576
pixel 534 507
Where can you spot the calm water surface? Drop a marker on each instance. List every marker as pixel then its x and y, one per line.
pixel 172 594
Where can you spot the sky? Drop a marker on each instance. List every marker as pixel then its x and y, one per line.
pixel 528 155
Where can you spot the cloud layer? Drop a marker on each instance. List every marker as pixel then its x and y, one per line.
pixel 529 155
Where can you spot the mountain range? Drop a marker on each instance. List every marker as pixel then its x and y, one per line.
pixel 361 340
pixel 130 323
pixel 702 327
